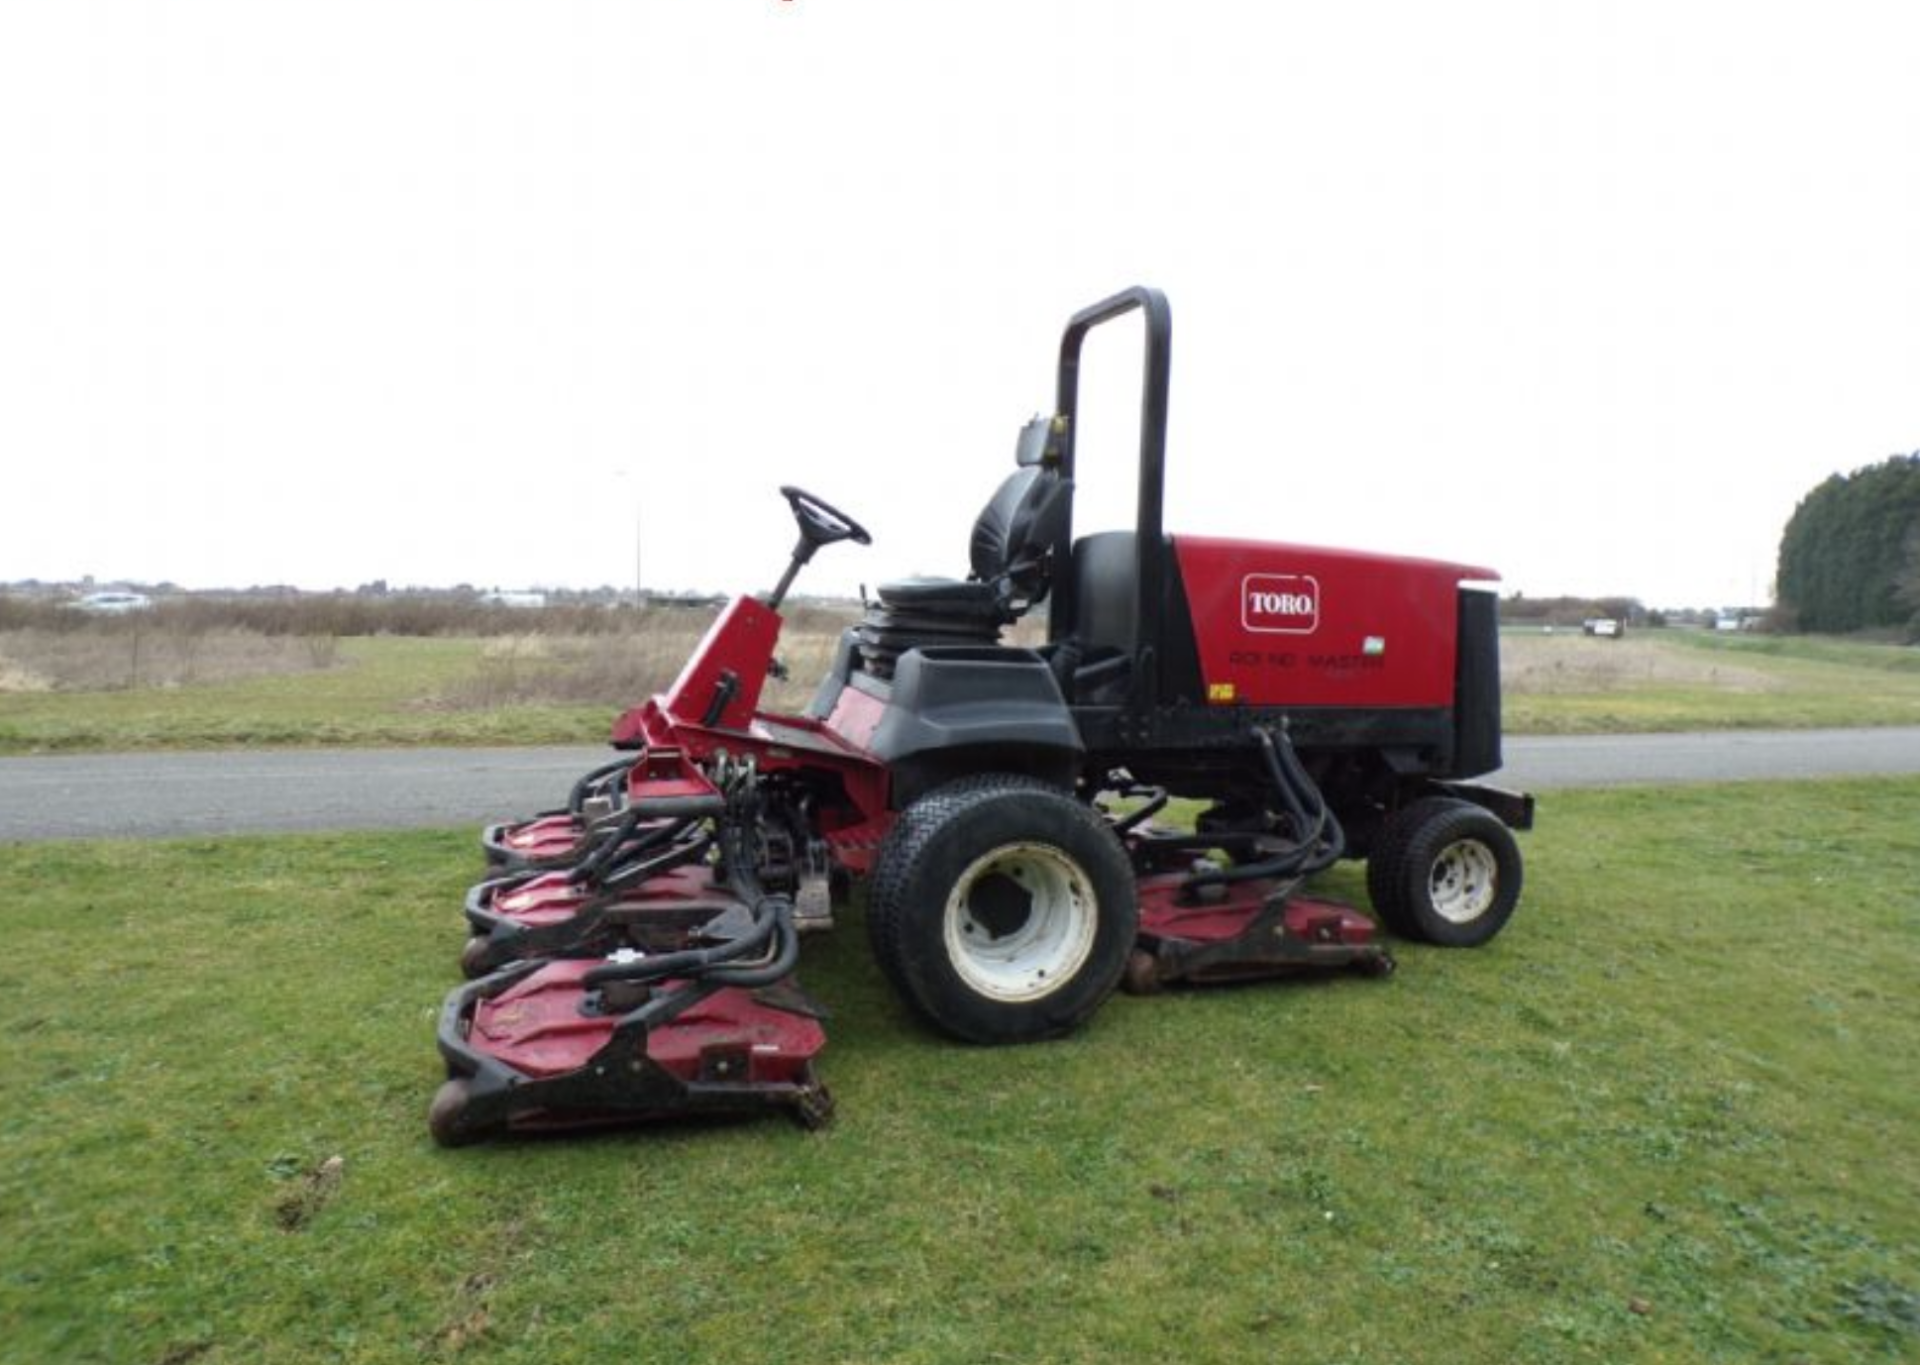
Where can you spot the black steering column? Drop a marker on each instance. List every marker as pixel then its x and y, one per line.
pixel 821 524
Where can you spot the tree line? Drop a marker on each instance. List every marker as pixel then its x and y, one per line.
pixel 1850 556
pixel 1521 610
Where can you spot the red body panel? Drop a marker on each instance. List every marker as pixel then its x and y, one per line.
pixel 548 836
pixel 1296 625
pixel 535 1026
pixel 741 642
pixel 665 772
pixel 552 898
pixel 856 716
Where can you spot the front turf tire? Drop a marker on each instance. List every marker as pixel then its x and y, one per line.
pixel 1002 909
pixel 1444 871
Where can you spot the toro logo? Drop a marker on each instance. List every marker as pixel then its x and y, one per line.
pixel 1280 603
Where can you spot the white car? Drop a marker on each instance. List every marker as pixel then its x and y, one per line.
pixel 114 603
pixel 1606 627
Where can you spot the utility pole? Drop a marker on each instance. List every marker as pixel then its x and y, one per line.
pixel 639 517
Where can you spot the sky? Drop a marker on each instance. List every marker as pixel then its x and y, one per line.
pixel 558 295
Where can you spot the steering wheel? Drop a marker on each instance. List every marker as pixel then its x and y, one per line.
pixel 821 523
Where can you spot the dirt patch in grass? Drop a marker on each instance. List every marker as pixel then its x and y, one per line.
pixel 312 1191
pixel 1562 665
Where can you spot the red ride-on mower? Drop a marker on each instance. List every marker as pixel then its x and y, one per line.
pixel 1320 704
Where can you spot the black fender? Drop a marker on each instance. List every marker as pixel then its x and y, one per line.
pixel 956 710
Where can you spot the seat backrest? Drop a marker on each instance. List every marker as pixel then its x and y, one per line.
pixel 1015 534
pixel 1105 590
pixel 1096 664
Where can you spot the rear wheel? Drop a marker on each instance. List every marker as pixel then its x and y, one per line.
pixel 1445 871
pixel 1002 909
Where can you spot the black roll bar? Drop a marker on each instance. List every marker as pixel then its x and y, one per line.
pixel 1150 541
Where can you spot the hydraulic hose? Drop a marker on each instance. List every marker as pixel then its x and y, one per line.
pixel 676 813
pixel 609 843
pixel 577 798
pixel 635 868
pixel 1281 759
pixel 1319 838
pixel 772 920
pixel 771 934
pixel 1156 801
pixel 785 954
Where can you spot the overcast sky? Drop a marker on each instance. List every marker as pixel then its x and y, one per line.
pixel 496 293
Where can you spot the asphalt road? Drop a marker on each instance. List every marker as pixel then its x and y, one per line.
pixel 165 795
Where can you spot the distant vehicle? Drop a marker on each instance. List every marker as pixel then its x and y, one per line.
pixel 1606 627
pixel 114 603
pixel 524 601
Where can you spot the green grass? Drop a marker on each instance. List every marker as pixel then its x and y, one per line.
pixel 381 692
pixel 1867 655
pixel 1717 682
pixel 1669 1115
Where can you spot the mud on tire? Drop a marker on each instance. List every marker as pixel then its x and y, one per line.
pixel 1002 909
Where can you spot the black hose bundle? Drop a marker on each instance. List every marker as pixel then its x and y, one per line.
pixel 607 845
pixel 1318 839
pixel 722 964
pixel 667 818
pixel 594 782
pixel 684 843
pixel 770 933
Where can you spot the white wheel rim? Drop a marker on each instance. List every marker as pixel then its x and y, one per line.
pixel 1013 956
pixel 1464 881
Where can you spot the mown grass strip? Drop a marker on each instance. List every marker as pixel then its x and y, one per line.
pixel 1668 1116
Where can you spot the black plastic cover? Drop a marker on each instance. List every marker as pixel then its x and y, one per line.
pixel 1476 686
pixel 999 702
pixel 827 695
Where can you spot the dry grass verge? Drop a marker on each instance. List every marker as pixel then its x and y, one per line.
pixel 618 670
pixel 133 656
pixel 322 614
pixel 1562 665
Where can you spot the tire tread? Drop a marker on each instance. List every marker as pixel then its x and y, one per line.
pixel 1407 845
pixel 890 901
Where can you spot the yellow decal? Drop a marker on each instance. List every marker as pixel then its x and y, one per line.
pixel 1220 692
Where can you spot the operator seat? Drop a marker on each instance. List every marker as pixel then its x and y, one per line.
pixel 1012 548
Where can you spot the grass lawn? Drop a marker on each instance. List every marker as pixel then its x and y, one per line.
pixel 1669 1115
